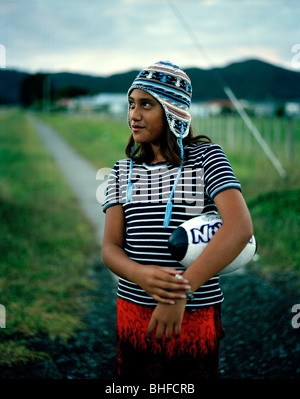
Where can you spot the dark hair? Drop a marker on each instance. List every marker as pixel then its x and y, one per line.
pixel 169 147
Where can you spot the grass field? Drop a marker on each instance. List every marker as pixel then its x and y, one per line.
pixel 273 201
pixel 45 244
pixel 103 140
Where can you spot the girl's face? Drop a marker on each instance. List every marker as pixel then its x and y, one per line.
pixel 146 116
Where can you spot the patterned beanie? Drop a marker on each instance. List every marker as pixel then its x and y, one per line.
pixel 171 86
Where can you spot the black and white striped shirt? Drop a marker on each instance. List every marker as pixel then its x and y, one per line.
pixel 206 173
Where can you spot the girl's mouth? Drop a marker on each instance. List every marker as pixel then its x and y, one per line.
pixel 136 128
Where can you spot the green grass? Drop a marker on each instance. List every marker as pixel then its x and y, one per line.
pixel 45 244
pixel 276 217
pixel 263 188
pixel 250 164
pixel 101 140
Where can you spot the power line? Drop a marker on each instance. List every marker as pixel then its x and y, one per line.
pixel 229 93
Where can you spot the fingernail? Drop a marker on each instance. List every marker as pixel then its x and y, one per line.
pixel 188 287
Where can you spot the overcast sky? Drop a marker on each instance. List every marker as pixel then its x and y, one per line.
pixel 102 37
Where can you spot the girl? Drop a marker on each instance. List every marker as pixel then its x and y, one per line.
pixel 168 318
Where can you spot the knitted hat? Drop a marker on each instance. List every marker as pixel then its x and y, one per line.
pixel 171 86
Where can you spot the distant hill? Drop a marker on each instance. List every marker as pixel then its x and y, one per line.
pixel 253 80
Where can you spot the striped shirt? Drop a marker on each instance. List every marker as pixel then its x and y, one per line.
pixel 206 173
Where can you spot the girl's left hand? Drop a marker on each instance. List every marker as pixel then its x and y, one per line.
pixel 167 318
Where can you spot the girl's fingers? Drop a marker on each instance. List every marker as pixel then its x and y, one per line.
pixel 173 272
pixel 163 300
pixel 169 331
pixel 162 285
pixel 151 327
pixel 160 330
pixel 170 295
pixel 169 277
pixel 177 330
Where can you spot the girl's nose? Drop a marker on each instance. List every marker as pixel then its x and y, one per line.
pixel 135 114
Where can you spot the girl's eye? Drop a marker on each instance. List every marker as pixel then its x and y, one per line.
pixel 145 104
pixel 131 104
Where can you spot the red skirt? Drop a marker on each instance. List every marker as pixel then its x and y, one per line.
pixel 193 355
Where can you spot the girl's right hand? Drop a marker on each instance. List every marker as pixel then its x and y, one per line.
pixel 161 284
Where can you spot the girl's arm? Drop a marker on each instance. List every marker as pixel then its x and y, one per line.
pixel 227 243
pixel 222 249
pixel 158 282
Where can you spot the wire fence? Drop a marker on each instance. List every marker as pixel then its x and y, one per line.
pixel 231 132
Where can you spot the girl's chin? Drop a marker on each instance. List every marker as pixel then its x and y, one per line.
pixel 139 138
pixel 143 138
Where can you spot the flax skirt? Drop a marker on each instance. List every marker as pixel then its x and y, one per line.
pixel 194 355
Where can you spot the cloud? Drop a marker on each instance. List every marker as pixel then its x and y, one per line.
pixel 104 37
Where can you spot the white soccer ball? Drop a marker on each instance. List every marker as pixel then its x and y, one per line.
pixel 189 239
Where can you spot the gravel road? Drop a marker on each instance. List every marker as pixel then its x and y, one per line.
pixel 260 341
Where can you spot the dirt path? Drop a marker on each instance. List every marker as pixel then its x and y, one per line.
pixel 260 340
pixel 79 173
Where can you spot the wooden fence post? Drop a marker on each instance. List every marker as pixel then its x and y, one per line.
pixel 289 140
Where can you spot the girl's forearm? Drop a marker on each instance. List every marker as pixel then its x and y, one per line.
pixel 223 248
pixel 160 283
pixel 115 258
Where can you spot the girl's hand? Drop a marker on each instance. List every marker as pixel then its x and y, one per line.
pixel 167 319
pixel 161 284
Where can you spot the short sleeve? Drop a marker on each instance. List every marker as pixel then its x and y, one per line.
pixel 218 173
pixel 112 193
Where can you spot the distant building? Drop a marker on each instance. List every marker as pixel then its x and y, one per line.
pixel 212 108
pixel 263 108
pixel 292 109
pixel 113 103
pixel 116 104
pixel 267 108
